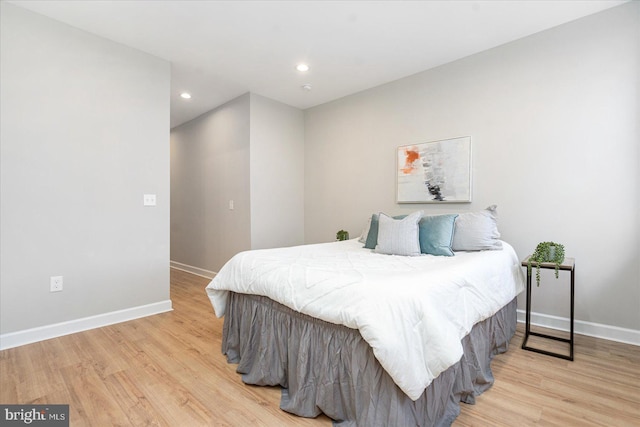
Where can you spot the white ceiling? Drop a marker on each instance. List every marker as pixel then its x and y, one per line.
pixel 222 49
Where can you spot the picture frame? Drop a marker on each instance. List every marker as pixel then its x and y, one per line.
pixel 434 172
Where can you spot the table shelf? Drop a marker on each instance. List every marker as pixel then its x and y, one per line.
pixel 569 265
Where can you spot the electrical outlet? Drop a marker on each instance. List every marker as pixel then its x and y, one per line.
pixel 231 205
pixel 149 200
pixel 56 283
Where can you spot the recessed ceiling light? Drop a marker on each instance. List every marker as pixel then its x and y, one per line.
pixel 302 67
pixel 185 95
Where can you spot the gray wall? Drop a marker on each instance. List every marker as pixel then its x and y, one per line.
pixel 277 174
pixel 210 167
pixel 84 135
pixel 249 150
pixel 554 124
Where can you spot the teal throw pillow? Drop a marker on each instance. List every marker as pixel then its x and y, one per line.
pixel 436 234
pixel 372 237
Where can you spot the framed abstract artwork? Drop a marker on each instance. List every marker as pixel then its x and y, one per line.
pixel 435 172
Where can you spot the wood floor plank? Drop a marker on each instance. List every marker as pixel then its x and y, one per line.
pixel 168 370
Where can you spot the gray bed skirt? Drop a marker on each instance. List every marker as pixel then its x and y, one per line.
pixel 330 369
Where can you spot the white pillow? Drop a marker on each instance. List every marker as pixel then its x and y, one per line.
pixel 399 236
pixel 477 231
pixel 365 232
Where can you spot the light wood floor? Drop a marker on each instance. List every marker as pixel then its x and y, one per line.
pixel 168 370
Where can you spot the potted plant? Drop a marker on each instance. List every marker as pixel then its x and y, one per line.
pixel 546 252
pixel 342 235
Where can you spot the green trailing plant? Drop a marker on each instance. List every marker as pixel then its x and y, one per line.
pixel 342 235
pixel 550 252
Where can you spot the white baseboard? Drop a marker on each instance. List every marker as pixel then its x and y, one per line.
pixel 607 332
pixel 193 270
pixel 28 336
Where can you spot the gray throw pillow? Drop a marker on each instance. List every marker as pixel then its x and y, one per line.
pixel 399 236
pixel 477 231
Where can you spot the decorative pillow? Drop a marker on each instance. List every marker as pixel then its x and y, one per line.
pixel 436 234
pixel 365 232
pixel 398 236
pixel 477 231
pixel 372 236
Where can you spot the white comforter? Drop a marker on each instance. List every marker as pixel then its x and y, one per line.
pixel 413 311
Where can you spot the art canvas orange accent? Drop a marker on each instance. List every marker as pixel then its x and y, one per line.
pixel 411 155
pixel 435 172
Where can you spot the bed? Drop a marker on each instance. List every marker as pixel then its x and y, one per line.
pixel 366 337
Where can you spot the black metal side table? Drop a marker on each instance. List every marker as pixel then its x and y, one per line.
pixel 569 264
